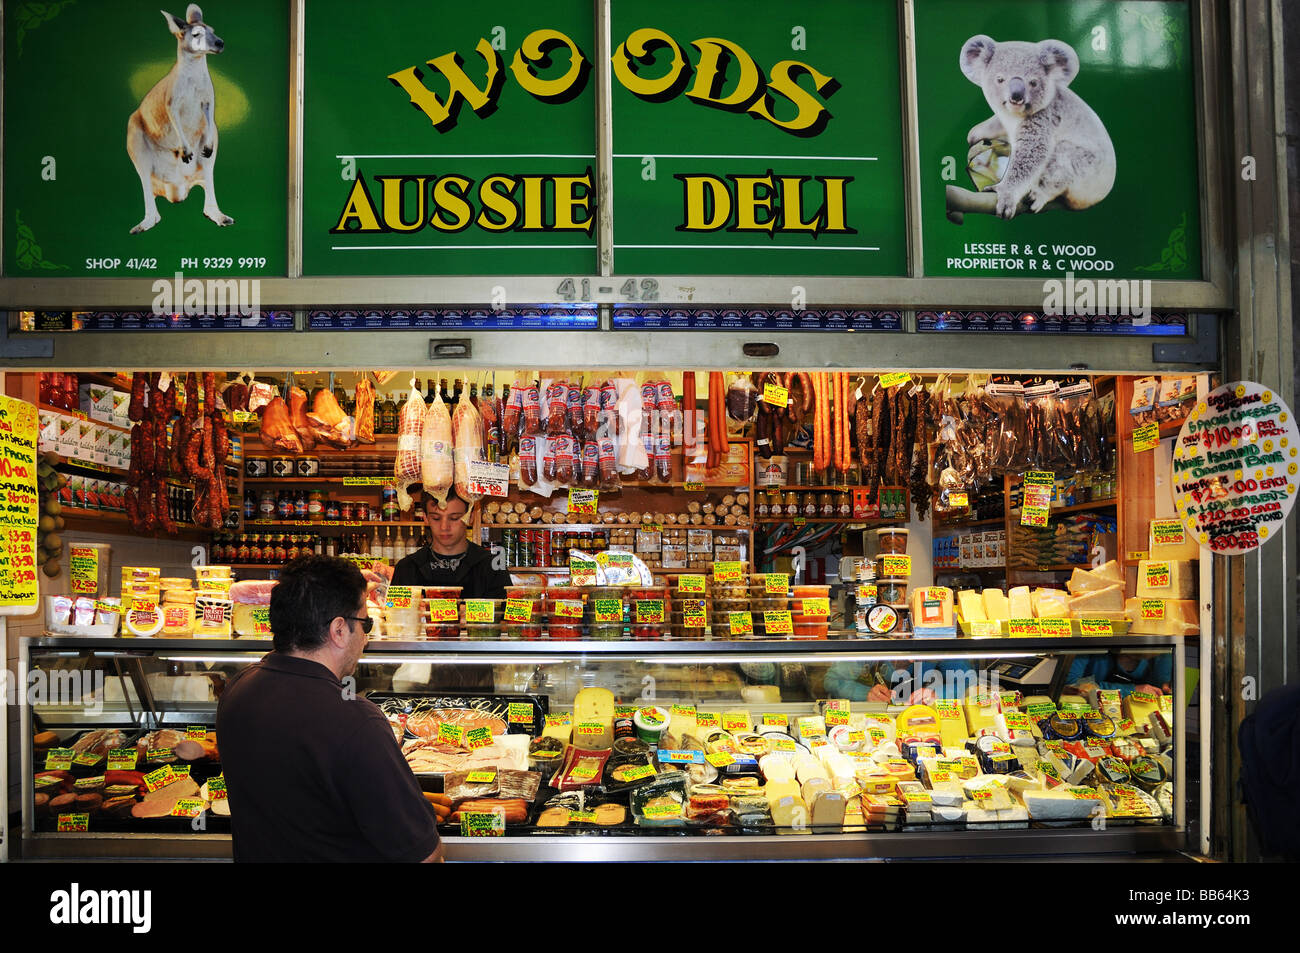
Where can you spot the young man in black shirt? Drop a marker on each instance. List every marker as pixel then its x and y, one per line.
pixel 314 773
pixel 451 560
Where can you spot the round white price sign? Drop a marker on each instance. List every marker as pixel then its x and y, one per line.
pixel 1236 468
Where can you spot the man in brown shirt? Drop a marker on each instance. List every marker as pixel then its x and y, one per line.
pixel 314 773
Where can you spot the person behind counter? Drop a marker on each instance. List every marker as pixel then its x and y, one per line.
pixel 313 773
pixel 451 559
pixel 1153 674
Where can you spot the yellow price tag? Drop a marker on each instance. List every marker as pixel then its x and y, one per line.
pixel 896 565
pixel 1024 628
pixel 568 609
pixel 776 583
pixel 1054 628
pixel 608 610
pixel 726 572
pixel 1146 437
pixel 519 610
pixel 1153 609
pixel 1095 627
pixel 778 622
pixel 690 583
pixel 776 395
pixel 478 737
pixel 835 716
pixel 893 380
pixel 443 610
pixel 985 629
pixel 720 760
pixel 521 713
pixel 649 611
pixel 479 610
pixel 742 623
pixel 1033 515
pixel 693 615
pixel 707 719
pixel 817 608
pixel 452 734
pixel 958 500
pixel 583 502
pixel 1157 575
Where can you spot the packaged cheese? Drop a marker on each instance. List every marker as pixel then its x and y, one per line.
pixel 213 617
pixel 140 574
pixel 1166 579
pixel 178 620
pixel 593 706
pixel 142 619
pixel 1091 603
pixel 1180 617
pixel 932 607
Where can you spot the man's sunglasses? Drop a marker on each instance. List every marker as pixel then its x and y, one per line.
pixel 367 623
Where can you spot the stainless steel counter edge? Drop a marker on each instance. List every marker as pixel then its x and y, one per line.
pixel 884 648
pixel 658 847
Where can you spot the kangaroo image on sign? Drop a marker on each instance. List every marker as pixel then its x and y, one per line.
pixel 172 137
pixel 1043 147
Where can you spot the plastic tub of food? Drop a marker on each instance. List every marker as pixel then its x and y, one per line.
pixel 805 628
pixel 521 632
pixel 892 591
pixel 891 542
pixel 650 724
pixel 531 593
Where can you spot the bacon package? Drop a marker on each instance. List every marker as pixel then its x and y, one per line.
pixel 580 768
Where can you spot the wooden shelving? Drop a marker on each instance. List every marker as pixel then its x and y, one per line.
pixel 994 521
pixel 1055 567
pixel 91 521
pixel 826 519
pixel 251 525
pixel 1072 508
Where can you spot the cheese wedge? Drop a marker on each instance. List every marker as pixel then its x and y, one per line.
pixel 1021 606
pixel 996 605
pixel 1108 574
pixel 1182 617
pixel 1059 804
pixel 1051 604
pixel 971 605
pixel 1109 599
pixel 932 607
pixel 1179 574
pixel 1140 708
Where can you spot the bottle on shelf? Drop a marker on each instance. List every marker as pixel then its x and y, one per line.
pixel 430 390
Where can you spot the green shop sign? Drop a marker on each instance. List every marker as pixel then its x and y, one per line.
pixel 142 144
pixel 1057 138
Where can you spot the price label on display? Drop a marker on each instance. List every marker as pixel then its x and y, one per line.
pixel 836 716
pixel 1054 628
pixel 947 709
pixel 188 807
pixel 262 622
pixel 896 565
pixel 560 720
pixel 479 610
pixel 693 615
pixel 1095 627
pixel 1146 437
pixel 583 502
pixel 59 759
pixel 776 720
pixel 720 760
pixel 452 734
pixel 1145 698
pixel 73 823
pixel 735 722
pixel 582 569
pixel 742 623
pixel 519 610
pixel 481 777
pixel 1024 628
pixel 662 811
pixel 87 759
pixel 398 597
pixel 776 395
pixel 636 774
pixel 217 788
pixel 726 572
pixel 1153 609
pixel 784 744
pixel 568 609
pixel 83 570
pixel 1157 575
pixel 160 778
pixel 692 486
pixel 893 380
pixel 985 629
pixel 478 738
pixel 488 479
pixel 196 732
pixel 1167 533
pixel 778 622
pixel 958 500
pixel 649 611
pixel 1037 497
pixel 690 584
pixel 708 719
pixel 483 823
pixel 776 583
pixel 123 759
pixel 445 610
pixel 367 481
pixel 1033 515
pixel 608 610
pixel 817 608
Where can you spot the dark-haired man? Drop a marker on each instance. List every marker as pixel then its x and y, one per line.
pixel 313 773
pixel 451 559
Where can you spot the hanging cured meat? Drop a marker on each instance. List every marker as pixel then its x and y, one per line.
pixel 298 417
pixel 278 431
pixel 406 468
pixel 365 410
pixel 467 441
pixel 437 468
pixel 328 422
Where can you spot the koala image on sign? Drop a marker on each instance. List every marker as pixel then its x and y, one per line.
pixel 1043 147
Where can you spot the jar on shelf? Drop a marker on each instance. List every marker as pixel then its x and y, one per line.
pixel 281 467
pixel 332 510
pixel 284 506
pixel 266 505
pixel 826 504
pixel 315 505
pixel 347 510
pixel 307 466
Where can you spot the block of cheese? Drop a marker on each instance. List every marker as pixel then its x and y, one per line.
pixel 996 605
pixel 681 722
pixel 1051 604
pixel 828 809
pixel 1060 804
pixel 987 795
pixel 1104 576
pixel 1021 605
pixel 1179 573
pixel 593 706
pixel 561 732
pixel 1169 539
pixel 1182 617
pixel 932 607
pixel 1139 706
pixel 971 605
pixel 981 717
pixel 952 724
pixel 1086 606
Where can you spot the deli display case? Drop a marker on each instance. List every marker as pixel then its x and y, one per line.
pixel 752 748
